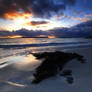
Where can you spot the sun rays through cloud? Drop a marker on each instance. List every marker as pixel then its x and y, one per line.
pixel 43 15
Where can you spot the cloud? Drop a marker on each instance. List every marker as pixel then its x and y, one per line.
pixel 89 15
pixel 81 30
pixel 31 33
pixel 11 6
pixel 39 8
pixel 34 23
pixel 46 7
pixel 70 2
pixel 82 19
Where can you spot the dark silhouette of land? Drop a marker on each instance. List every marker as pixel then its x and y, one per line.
pixel 53 63
pixel 90 37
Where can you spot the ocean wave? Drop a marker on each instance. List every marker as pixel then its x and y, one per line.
pixel 44 44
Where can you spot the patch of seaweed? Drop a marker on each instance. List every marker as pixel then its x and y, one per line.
pixel 53 63
pixel 66 73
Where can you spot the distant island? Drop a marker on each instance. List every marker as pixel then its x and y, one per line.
pixel 89 37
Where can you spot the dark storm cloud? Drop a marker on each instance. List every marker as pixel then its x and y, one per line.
pixel 46 7
pixel 37 7
pixel 10 6
pixel 70 2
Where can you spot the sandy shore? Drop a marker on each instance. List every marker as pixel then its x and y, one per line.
pixel 14 80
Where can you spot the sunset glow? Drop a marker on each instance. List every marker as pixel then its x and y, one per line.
pixel 24 20
pixel 17 15
pixel 51 18
pixel 18 19
pixel 51 36
pixel 15 36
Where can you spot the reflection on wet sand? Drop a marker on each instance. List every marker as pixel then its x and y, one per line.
pixel 28 63
pixel 15 84
pixel 23 62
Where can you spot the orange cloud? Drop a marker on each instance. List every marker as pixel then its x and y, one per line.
pixel 90 15
pixel 26 21
pixel 17 15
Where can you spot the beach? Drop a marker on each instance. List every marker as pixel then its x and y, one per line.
pixel 45 45
pixel 14 79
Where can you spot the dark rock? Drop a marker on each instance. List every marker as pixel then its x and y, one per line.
pixel 89 37
pixel 70 80
pixel 53 62
pixel 66 73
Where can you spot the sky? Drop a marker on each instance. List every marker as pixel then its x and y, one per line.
pixel 43 15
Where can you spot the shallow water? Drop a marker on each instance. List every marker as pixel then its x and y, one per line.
pixel 17 65
pixel 14 51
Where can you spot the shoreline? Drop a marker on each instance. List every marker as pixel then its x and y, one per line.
pixel 21 79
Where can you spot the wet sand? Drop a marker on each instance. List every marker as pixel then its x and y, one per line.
pixel 14 79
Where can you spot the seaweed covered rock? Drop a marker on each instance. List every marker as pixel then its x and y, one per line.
pixel 70 80
pixel 52 63
pixel 66 73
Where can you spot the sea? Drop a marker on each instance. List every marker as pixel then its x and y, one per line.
pixel 21 49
